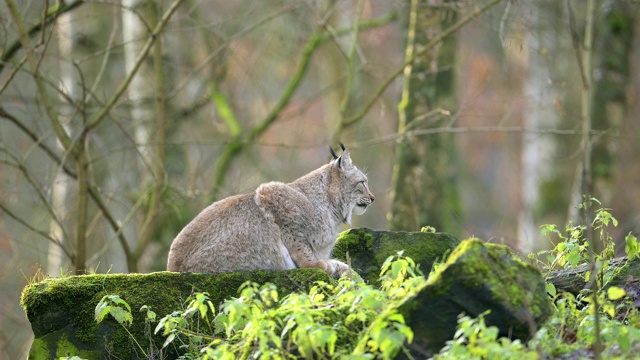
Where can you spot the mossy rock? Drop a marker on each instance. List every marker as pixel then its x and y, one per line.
pixel 368 249
pixel 61 310
pixel 475 278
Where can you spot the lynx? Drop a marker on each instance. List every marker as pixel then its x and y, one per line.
pixel 279 226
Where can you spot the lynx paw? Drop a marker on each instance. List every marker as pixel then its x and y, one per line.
pixel 338 268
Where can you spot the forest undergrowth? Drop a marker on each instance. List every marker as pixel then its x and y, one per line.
pixel 354 320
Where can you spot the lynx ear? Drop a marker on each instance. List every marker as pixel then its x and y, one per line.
pixel 333 153
pixel 344 161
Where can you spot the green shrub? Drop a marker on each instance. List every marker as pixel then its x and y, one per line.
pixel 355 320
pixel 349 318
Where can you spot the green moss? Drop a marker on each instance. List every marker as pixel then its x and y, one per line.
pixel 355 240
pixel 61 344
pixel 493 267
pixel 66 306
pixel 475 278
pixel 368 249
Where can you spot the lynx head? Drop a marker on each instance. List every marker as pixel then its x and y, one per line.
pixel 348 187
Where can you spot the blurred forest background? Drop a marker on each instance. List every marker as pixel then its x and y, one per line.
pixel 121 120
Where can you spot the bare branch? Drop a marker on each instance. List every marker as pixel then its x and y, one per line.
pixel 49 18
pixel 24 223
pixel 436 40
pixel 351 73
pixel 19 164
pixel 93 191
pixel 97 118
pixel 34 62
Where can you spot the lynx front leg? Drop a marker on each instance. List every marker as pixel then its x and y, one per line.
pixel 304 257
pixel 333 267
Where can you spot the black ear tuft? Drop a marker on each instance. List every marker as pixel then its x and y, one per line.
pixel 333 153
pixel 342 146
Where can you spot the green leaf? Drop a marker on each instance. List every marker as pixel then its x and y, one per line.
pixel 101 309
pixel 573 258
pixel 547 228
pixel 551 289
pixel 631 246
pixel 169 340
pixel 615 293
pixel 118 301
pixel 609 309
pixel 122 316
pixel 160 325
pixel 624 341
pixel 428 229
pixel 225 111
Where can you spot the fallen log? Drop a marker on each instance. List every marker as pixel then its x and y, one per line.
pixel 625 273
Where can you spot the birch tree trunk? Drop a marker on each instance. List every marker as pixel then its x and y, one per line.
pixel 147 93
pixel 62 183
pixel 135 30
pixel 538 149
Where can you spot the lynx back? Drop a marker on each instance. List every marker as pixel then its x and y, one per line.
pixel 279 226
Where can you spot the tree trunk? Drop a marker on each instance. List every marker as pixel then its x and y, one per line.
pixel 538 149
pixel 70 84
pixel 424 191
pixel 573 280
pixel 140 90
pixel 613 46
pixel 148 113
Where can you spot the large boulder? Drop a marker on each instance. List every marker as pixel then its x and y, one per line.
pixel 61 310
pixel 478 277
pixel 368 249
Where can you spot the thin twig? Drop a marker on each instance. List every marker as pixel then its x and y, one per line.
pixel 13 73
pixel 51 15
pixel 17 218
pixel 93 191
pixel 18 163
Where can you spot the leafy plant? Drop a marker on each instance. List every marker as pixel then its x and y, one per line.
pixel 120 310
pixel 475 340
pixel 330 321
pixel 351 319
pixel 572 247
pixel 604 315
